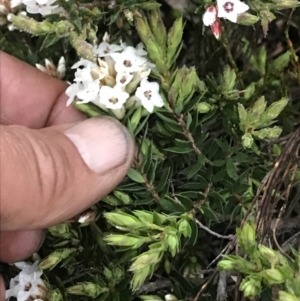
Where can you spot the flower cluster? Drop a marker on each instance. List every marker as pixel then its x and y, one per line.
pixel 227 9
pixel 43 7
pixel 27 285
pixel 52 70
pixel 120 71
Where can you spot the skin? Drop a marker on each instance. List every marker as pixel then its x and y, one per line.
pixel 46 177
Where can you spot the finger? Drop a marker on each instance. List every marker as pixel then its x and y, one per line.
pixel 2 289
pixel 48 176
pixel 18 245
pixel 32 98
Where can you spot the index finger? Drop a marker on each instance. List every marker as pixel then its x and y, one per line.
pixel 32 98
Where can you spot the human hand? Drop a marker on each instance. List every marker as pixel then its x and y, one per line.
pixel 55 163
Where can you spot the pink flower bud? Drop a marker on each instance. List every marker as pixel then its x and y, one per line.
pixel 216 28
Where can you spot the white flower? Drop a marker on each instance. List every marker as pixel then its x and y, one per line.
pixel 105 49
pixel 43 7
pixel 83 63
pixel 28 285
pixel 14 3
pixel 84 75
pixel 148 94
pixel 140 50
pixel 210 15
pixel 100 71
pixel 230 9
pixel 89 93
pixel 72 91
pixel 128 61
pixel 123 79
pixel 113 98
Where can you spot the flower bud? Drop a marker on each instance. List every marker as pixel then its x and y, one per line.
pixel 61 230
pixel 56 257
pixel 251 287
pixel 124 240
pixel 247 140
pixel 124 220
pixel 184 227
pixel 204 107
pixel 216 28
pixel 272 276
pixel 55 295
pixel 89 289
pixel 267 254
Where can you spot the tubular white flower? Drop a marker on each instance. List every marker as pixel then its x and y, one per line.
pixel 123 79
pixel 89 93
pixel 99 72
pixel 230 9
pixel 148 94
pixel 113 98
pixel 105 49
pixel 83 63
pixel 128 61
pixel 140 49
pixel 210 15
pixel 28 285
pixel 61 68
pixel 43 7
pixel 72 91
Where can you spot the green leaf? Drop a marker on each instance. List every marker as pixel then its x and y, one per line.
pixel 168 204
pixel 163 180
pixel 135 176
pixel 179 150
pixel 231 169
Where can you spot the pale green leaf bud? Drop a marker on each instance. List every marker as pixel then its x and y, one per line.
pixel 243 116
pixel 140 276
pixel 272 276
pixel 174 40
pixel 144 216
pixel 247 19
pixel 173 243
pixel 251 287
pixel 284 296
pixel 124 220
pixel 61 230
pixel 204 107
pixel 55 295
pixel 268 254
pixel 124 240
pixel 259 106
pixel 89 289
pixel 281 62
pixel 55 257
pixel 123 197
pixel 249 91
pixel 184 227
pixel 286 4
pixel 247 140
pixel 268 133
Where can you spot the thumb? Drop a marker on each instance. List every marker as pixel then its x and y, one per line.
pixel 52 174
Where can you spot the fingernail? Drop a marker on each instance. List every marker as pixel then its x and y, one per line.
pixel 102 142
